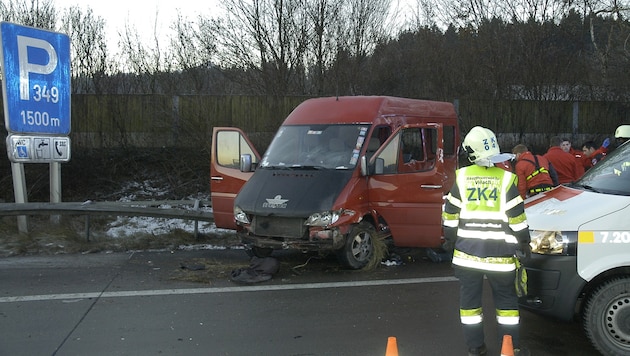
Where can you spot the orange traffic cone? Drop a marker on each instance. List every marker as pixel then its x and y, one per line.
pixel 392 347
pixel 507 349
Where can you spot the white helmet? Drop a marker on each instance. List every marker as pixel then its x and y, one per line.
pixel 623 131
pixel 482 147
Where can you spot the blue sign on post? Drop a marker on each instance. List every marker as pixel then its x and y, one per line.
pixel 36 80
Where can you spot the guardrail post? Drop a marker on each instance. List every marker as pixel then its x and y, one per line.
pixel 87 228
pixel 196 208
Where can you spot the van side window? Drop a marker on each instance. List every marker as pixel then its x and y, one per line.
pixel 449 141
pixel 412 150
pixel 418 150
pixel 231 146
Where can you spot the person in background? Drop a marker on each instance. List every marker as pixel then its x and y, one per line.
pixel 533 172
pixel 622 134
pixel 592 154
pixel 568 165
pixel 485 226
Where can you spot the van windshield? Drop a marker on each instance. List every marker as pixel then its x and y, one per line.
pixel 315 147
pixel 611 175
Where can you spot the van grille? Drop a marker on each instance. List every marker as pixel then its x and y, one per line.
pixel 273 226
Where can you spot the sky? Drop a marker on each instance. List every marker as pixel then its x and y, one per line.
pixel 140 14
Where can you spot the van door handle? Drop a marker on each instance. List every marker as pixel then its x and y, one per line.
pixel 216 178
pixel 430 186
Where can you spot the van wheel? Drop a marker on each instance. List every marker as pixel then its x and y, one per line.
pixel 607 317
pixel 359 246
pixel 261 252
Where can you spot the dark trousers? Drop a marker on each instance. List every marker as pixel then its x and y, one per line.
pixel 503 295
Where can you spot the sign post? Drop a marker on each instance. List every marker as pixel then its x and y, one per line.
pixel 36 92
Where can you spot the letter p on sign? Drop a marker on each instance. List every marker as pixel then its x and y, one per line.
pixel 27 67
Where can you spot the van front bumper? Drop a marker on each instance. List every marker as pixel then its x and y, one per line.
pixel 554 287
pixel 318 240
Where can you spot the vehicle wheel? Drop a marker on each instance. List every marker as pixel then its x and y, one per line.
pixel 359 246
pixel 607 317
pixel 261 252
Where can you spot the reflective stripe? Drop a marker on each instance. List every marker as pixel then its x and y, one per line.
pixel 537 172
pixel 508 317
pixel 471 316
pixel 450 223
pixel 451 199
pixel 486 235
pixel 471 320
pixel 539 190
pixel 519 226
pixel 483 215
pixel 498 264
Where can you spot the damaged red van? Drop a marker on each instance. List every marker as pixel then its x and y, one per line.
pixel 339 173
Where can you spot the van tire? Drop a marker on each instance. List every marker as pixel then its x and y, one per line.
pixel 606 317
pixel 359 246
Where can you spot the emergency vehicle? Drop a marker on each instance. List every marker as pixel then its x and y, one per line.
pixel 339 173
pixel 580 264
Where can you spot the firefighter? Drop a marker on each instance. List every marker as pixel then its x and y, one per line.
pixel 622 134
pixel 485 227
pixel 535 174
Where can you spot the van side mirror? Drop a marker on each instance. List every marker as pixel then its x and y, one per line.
pixel 246 163
pixel 363 165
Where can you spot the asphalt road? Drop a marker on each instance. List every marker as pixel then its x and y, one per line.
pixel 184 303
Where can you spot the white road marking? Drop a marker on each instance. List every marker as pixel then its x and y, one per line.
pixel 154 292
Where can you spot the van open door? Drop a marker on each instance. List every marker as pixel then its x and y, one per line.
pixel 229 145
pixel 407 183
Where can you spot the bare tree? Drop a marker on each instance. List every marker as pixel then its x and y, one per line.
pixel 366 23
pixel 35 13
pixel 268 38
pixel 194 48
pixel 90 64
pixel 322 14
pixel 143 62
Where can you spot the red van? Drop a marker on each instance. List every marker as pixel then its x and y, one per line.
pixel 339 173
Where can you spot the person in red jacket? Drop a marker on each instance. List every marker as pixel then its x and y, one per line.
pixel 565 164
pixel 533 172
pixel 592 154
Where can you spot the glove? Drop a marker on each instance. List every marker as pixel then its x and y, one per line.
pixel 523 252
pixel 448 246
pixel 606 142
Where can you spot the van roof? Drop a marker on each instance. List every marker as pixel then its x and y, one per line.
pixel 364 109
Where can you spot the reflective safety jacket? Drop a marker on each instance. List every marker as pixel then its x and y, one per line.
pixel 533 174
pixel 484 215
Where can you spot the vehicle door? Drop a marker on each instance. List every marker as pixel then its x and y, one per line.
pixel 226 178
pixel 408 191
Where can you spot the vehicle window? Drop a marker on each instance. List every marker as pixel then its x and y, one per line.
pixel 316 146
pixel 450 147
pixel 412 150
pixel 611 175
pixel 230 146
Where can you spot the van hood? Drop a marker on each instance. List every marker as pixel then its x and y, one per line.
pixel 565 208
pixel 291 193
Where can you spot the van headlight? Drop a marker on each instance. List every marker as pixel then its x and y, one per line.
pixel 326 218
pixel 240 216
pixel 323 218
pixel 553 242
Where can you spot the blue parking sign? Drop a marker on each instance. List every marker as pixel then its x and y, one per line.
pixel 36 79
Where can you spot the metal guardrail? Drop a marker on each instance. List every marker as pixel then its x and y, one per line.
pixel 185 209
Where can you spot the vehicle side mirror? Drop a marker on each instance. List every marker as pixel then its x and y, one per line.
pixel 246 163
pixel 363 166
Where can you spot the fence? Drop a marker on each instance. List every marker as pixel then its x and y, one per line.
pixel 112 121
